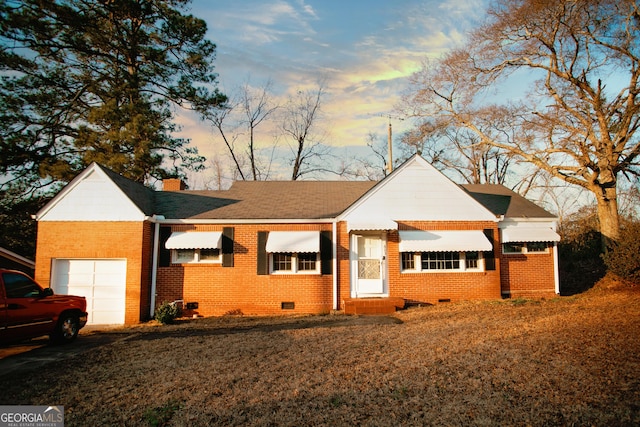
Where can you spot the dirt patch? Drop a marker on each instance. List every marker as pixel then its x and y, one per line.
pixel 567 361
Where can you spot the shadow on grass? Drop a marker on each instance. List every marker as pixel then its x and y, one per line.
pixel 203 327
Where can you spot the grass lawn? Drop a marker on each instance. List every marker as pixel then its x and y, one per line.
pixel 567 361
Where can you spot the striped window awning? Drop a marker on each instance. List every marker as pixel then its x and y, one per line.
pixel 194 240
pixel 372 224
pixel 444 241
pixel 529 234
pixel 293 241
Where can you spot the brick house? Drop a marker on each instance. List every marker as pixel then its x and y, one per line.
pixel 292 246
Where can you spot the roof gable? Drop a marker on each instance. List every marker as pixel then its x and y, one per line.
pixel 417 191
pixel 98 194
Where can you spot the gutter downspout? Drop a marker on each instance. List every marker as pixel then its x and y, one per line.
pixel 334 250
pixel 556 268
pixel 154 262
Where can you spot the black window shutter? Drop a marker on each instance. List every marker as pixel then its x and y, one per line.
pixel 227 246
pixel 164 256
pixel 490 256
pixel 263 256
pixel 326 253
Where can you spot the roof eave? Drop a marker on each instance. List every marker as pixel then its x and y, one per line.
pixel 247 220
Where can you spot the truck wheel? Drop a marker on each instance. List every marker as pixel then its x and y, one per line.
pixel 66 329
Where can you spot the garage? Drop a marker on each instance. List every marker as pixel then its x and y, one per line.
pixel 101 281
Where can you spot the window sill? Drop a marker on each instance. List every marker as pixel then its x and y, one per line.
pixel 475 270
pixel 291 273
pixel 192 264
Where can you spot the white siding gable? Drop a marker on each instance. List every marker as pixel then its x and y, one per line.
pixel 92 196
pixel 417 191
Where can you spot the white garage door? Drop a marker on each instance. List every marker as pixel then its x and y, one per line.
pixel 101 281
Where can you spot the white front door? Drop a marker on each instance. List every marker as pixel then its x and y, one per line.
pixel 369 265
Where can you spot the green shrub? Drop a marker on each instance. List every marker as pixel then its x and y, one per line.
pixel 167 313
pixel 622 259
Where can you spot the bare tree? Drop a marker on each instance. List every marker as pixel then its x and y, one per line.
pixel 458 151
pixel 301 116
pixel 219 119
pixel 256 106
pixel 579 120
pixel 247 108
pixel 559 196
pixel 379 168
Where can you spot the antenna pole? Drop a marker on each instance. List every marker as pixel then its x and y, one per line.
pixel 390 164
pixel 390 135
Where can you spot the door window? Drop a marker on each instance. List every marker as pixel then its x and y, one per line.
pixel 19 286
pixel 369 254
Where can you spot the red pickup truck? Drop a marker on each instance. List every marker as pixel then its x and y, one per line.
pixel 28 311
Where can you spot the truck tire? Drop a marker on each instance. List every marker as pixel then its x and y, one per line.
pixel 67 329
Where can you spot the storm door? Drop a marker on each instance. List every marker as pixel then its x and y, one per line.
pixel 369 265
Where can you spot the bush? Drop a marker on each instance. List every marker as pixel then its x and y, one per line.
pixel 581 264
pixel 622 259
pixel 167 312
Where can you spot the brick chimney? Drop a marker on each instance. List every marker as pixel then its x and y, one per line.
pixel 173 184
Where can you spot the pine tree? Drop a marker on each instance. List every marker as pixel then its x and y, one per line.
pixel 99 80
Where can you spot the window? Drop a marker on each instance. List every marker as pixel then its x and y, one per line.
pixel 440 260
pixel 19 286
pixel 307 262
pixel 194 256
pixel 448 261
pixel 408 261
pixel 211 255
pixel 537 247
pixel 513 248
pixel 282 262
pixel 471 260
pixel 294 252
pixel 524 247
pixel 288 262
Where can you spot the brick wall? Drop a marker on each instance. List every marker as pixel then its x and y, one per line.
pixel 96 240
pixel 427 287
pixel 528 275
pixel 239 289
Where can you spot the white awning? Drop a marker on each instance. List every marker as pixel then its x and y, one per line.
pixel 194 240
pixel 444 241
pixel 529 234
pixel 293 241
pixel 372 224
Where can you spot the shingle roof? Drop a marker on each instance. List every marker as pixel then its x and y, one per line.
pixel 143 197
pixel 502 201
pixel 264 200
pixel 294 200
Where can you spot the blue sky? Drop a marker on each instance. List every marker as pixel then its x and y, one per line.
pixel 364 49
